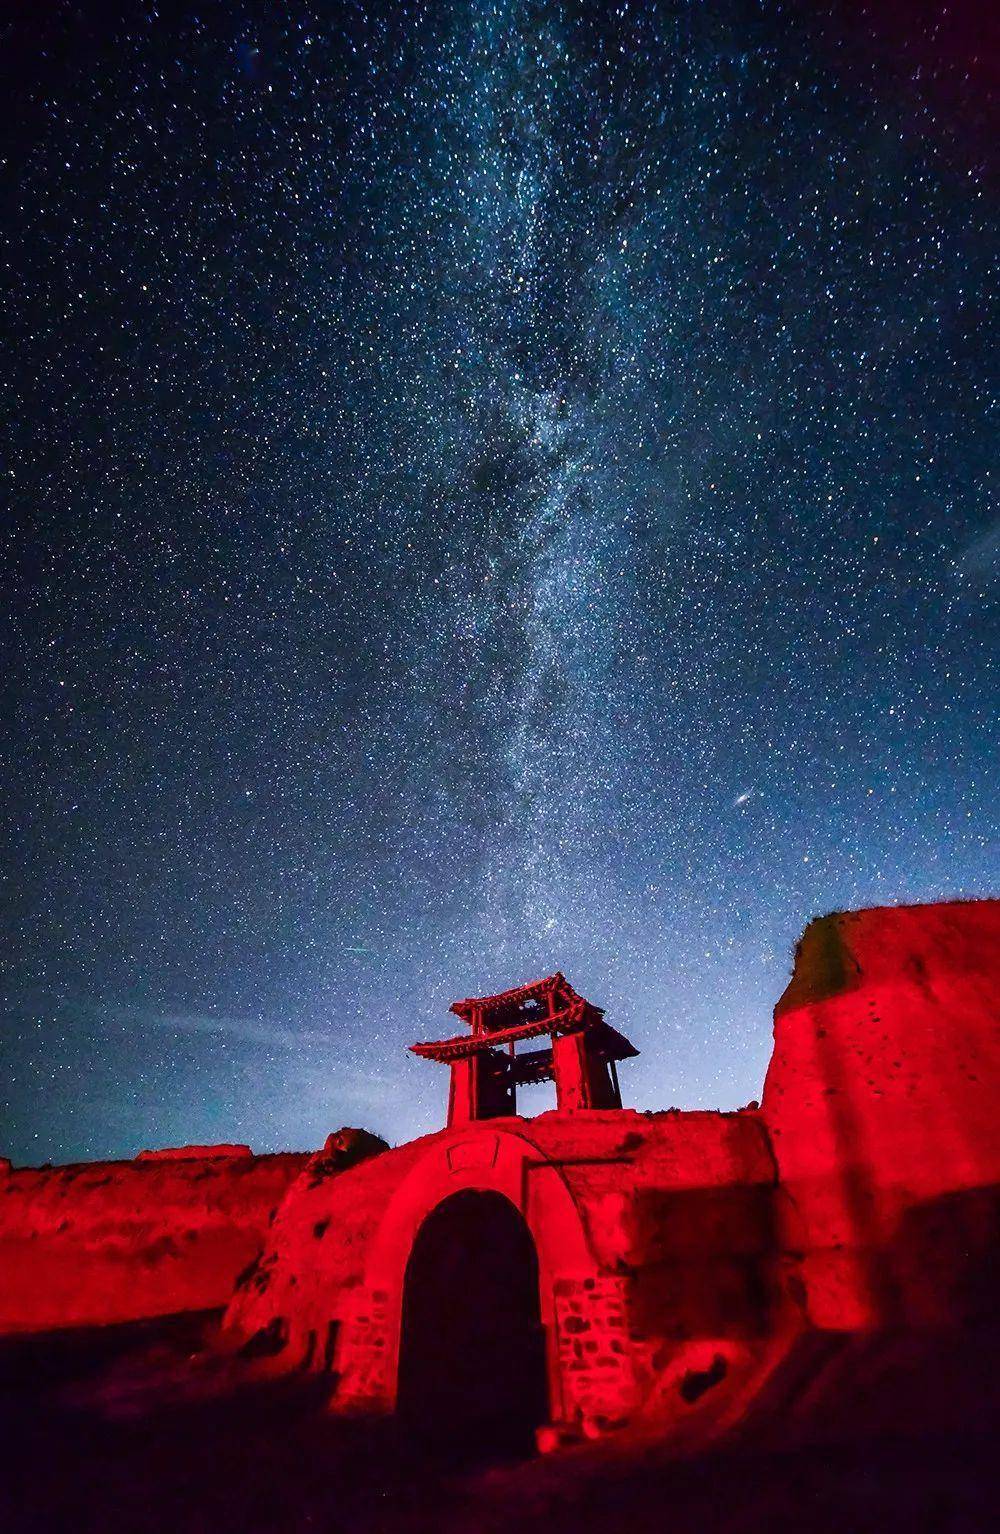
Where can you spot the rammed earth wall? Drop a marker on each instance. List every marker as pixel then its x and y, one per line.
pixel 114 1241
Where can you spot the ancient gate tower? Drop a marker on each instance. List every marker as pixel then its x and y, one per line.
pixel 563 1273
pixel 507 1275
pixel 581 1057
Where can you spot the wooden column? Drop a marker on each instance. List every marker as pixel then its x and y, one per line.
pixel 463 1094
pixel 482 1087
pixel 583 1078
pixel 569 1063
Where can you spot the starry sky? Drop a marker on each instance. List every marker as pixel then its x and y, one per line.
pixel 490 486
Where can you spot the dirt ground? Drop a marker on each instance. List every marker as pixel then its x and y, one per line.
pixel 140 1429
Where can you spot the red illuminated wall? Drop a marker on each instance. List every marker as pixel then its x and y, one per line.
pixel 115 1241
pixel 882 1104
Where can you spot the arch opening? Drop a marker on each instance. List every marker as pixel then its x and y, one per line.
pixel 472 1358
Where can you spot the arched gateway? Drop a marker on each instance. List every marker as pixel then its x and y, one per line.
pixel 485 1209
pixel 472 1363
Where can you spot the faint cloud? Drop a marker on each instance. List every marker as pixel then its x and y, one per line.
pixel 980 558
pixel 249 1030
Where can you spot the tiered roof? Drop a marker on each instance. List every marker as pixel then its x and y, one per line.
pixel 548 1006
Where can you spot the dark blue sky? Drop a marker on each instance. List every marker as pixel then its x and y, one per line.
pixel 492 487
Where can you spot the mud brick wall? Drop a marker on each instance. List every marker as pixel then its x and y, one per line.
pixel 119 1241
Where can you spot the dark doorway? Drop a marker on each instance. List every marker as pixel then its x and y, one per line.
pixel 472 1374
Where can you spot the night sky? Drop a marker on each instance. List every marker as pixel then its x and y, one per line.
pixel 489 487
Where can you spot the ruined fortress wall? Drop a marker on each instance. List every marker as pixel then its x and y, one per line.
pixel 863 1192
pixel 118 1241
pixel 881 1101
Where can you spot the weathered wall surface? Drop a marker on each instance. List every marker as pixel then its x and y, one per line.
pixel 117 1241
pixel 679 1212
pixel 684 1204
pixel 881 1100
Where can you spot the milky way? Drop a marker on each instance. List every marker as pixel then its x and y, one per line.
pixel 493 487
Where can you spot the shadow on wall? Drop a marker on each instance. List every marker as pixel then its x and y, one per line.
pixel 939 1267
pixel 944 1263
pixel 705 1263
